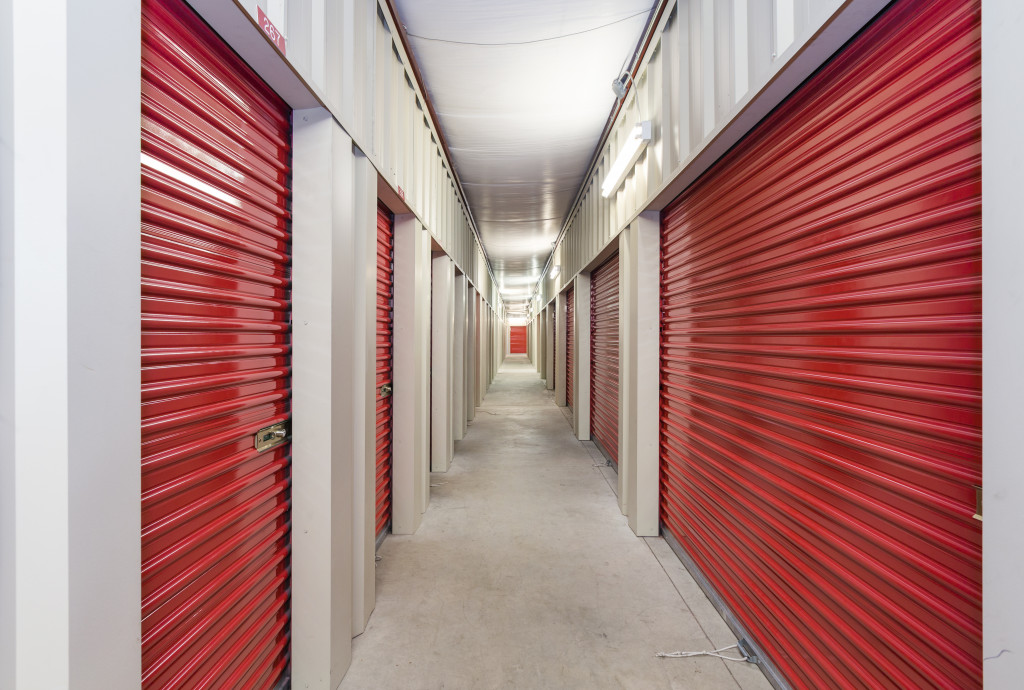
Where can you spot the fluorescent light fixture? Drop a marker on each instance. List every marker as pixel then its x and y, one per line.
pixel 555 270
pixel 635 144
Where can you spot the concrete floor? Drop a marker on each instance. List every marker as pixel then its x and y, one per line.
pixel 525 574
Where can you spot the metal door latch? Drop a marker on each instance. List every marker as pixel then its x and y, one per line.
pixel 270 436
pixel 385 390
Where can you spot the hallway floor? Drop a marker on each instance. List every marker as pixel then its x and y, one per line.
pixel 524 573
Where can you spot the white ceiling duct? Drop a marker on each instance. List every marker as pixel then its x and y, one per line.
pixel 521 89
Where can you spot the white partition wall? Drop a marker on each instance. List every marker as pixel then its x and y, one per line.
pixel 549 346
pixel 482 349
pixel 560 349
pixel 323 413
pixel 69 345
pixel 442 329
pixel 472 353
pixel 1003 336
pixel 458 418
pixel 639 330
pixel 411 406
pixel 581 358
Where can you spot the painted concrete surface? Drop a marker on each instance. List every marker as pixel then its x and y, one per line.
pixel 524 574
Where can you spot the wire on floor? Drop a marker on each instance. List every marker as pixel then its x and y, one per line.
pixel 717 653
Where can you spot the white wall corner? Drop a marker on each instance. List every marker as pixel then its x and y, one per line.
pixel 323 416
pixel 408 445
pixel 471 354
pixel 442 327
pixel 104 333
pixel 1003 341
pixel 70 550
pixel 7 350
pixel 550 368
pixel 581 357
pixel 627 370
pixel 364 352
pixel 422 343
pixel 459 360
pixel 645 319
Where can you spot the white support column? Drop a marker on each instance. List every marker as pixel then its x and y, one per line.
pixel 639 373
pixel 483 351
pixel 70 501
pixel 410 446
pixel 442 446
pixel 325 418
pixel 364 333
pixel 581 358
pixel 459 361
pixel 627 368
pixel 1003 340
pixel 542 348
pixel 549 346
pixel 472 354
pixel 423 307
pixel 561 351
pixel 529 342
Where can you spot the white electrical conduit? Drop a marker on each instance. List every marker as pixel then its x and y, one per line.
pixel 717 653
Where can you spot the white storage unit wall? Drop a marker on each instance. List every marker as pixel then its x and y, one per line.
pixel 383 109
pixel 711 70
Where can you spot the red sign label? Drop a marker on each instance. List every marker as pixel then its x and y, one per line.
pixel 269 29
pixel 401 193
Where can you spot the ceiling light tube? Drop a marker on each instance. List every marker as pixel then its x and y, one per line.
pixel 635 144
pixel 554 271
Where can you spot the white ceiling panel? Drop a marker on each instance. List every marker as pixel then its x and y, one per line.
pixel 522 92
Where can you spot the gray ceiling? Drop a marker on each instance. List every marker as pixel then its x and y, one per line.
pixel 522 91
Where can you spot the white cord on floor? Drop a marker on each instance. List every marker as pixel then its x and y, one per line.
pixel 715 653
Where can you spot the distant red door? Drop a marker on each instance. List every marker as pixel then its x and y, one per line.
pixel 821 364
pixel 385 322
pixel 517 340
pixel 604 357
pixel 216 362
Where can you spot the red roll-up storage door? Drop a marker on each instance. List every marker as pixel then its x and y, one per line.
pixel 517 340
pixel 215 362
pixel 604 357
pixel 385 321
pixel 570 345
pixel 821 391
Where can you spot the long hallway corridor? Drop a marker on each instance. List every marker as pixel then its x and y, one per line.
pixel 524 573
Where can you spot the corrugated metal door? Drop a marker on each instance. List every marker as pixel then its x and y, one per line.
pixel 604 357
pixel 570 345
pixel 385 321
pixel 821 392
pixel 517 340
pixel 215 362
